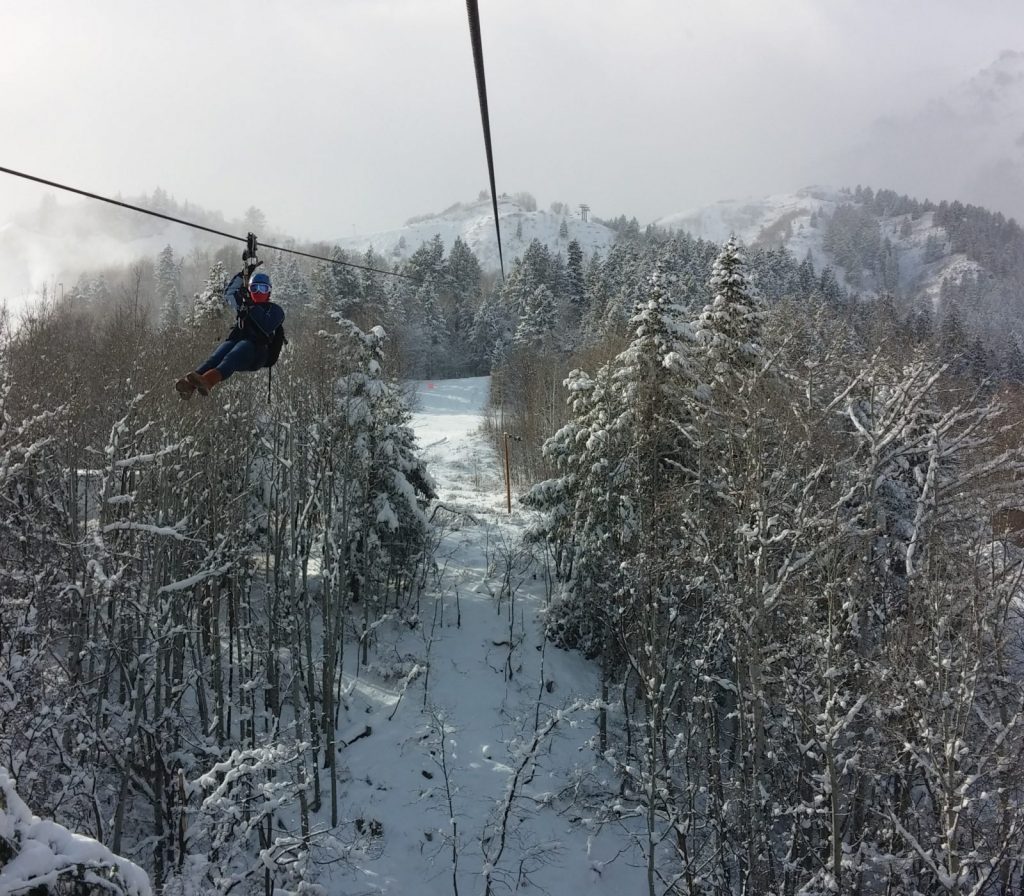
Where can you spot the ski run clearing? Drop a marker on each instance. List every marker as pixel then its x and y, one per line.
pixel 467 746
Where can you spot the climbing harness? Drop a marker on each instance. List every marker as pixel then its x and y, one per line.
pixel 276 340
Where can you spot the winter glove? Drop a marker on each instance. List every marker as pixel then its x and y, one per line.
pixel 235 292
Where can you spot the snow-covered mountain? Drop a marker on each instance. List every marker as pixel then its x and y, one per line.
pixel 783 220
pixel 474 223
pixel 799 222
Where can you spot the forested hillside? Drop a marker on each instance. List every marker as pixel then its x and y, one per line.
pixel 774 533
pixel 945 266
pixel 777 514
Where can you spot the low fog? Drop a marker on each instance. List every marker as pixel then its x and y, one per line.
pixel 335 118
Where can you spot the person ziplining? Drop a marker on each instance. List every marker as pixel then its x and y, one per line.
pixel 257 337
pixel 255 340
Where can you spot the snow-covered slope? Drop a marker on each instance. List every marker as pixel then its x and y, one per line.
pixel 783 220
pixel 474 710
pixel 474 222
pixel 797 221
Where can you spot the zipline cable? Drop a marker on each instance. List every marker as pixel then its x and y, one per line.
pixel 481 88
pixel 193 225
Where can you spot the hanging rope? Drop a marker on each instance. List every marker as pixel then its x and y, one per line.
pixel 194 226
pixel 481 87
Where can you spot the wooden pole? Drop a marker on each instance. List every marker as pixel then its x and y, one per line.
pixel 508 478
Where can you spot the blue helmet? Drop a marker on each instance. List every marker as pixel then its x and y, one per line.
pixel 259 287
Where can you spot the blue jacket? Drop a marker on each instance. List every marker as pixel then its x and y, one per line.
pixel 255 323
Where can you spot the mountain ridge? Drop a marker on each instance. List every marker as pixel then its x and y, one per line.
pixel 799 223
pixel 473 223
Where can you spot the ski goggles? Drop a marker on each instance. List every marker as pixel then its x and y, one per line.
pixel 261 288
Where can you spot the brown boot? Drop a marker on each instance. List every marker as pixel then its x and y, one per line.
pixel 204 382
pixel 184 388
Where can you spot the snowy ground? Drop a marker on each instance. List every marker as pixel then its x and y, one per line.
pixel 490 701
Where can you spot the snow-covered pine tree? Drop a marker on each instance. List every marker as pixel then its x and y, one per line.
pixel 209 304
pixel 537 328
pixel 729 327
pixel 581 512
pixel 291 288
pixel 575 276
pixel 460 296
pixel 374 309
pixel 167 287
pixel 464 273
pixel 335 286
pixel 623 458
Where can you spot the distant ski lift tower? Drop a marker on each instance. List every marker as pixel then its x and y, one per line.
pixel 584 213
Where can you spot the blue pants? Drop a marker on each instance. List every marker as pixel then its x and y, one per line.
pixel 232 357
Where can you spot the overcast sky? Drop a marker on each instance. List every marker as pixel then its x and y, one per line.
pixel 342 116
